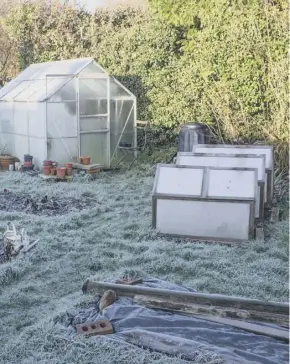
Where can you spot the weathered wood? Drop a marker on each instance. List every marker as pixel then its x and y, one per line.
pixel 226 312
pixel 130 281
pixel 260 234
pixel 189 297
pixel 275 214
pixel 243 325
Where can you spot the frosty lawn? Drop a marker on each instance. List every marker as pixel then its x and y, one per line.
pixel 110 237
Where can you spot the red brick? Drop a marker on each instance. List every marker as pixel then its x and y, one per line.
pixel 99 327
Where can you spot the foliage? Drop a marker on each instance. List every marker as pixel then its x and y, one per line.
pixel 219 62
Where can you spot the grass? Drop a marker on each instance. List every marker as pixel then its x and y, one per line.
pixel 110 238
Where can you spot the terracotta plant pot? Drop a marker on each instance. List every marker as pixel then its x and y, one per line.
pixel 5 161
pixel 80 160
pixel 86 160
pixel 53 171
pixel 69 171
pixel 47 163
pixel 61 172
pixel 69 165
pixel 46 170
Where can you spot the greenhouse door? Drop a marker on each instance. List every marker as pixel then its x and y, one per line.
pixel 94 119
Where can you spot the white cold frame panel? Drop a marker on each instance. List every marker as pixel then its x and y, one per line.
pixel 267 150
pixel 231 161
pixel 232 183
pixel 187 181
pixel 210 204
pixel 207 220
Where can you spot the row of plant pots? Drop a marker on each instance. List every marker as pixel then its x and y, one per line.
pixel 50 168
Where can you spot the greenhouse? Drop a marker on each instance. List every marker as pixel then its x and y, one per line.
pixel 66 109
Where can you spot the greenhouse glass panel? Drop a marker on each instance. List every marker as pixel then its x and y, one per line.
pixel 11 95
pixel 30 92
pixel 61 120
pixel 117 90
pixel 91 69
pixel 93 123
pixel 7 88
pixel 67 92
pixel 96 146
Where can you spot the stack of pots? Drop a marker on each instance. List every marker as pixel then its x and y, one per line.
pixel 50 168
pixel 46 167
pixel 27 165
pixel 69 169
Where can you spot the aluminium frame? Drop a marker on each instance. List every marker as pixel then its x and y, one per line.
pixel 269 170
pixel 203 197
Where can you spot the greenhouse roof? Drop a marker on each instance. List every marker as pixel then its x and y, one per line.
pixel 40 81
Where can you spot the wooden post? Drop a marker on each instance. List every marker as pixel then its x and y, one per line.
pixel 189 297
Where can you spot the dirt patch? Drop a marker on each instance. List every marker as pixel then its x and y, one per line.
pixel 20 202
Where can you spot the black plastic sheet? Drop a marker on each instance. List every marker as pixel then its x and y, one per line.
pixel 185 336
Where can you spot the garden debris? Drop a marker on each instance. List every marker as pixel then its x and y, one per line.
pixel 108 298
pixel 185 334
pixel 14 242
pixel 16 202
pixel 99 327
pixel 129 280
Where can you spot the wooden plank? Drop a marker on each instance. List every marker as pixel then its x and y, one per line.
pixel 86 167
pixel 259 232
pixel 275 214
pixel 189 297
pixel 130 281
pixel 55 178
pixel 228 312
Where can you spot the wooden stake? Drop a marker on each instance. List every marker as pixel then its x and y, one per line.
pixel 189 297
pixel 260 234
pixel 275 214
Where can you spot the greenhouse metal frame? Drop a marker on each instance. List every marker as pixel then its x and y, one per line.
pixel 65 109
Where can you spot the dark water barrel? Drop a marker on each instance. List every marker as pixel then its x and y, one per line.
pixel 191 134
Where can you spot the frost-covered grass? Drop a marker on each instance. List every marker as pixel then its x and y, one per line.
pixel 110 238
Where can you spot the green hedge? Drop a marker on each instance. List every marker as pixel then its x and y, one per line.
pixel 225 64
